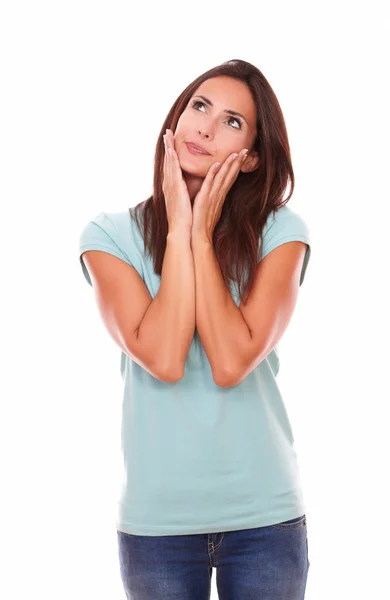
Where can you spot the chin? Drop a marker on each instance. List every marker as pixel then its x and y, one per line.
pixel 189 167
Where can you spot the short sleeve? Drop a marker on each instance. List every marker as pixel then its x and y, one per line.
pixel 286 226
pixel 101 234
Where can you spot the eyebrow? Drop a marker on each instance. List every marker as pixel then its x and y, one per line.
pixel 230 112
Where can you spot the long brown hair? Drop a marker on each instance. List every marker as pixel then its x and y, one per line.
pixel 252 196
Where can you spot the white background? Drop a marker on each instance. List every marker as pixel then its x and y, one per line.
pixel 85 89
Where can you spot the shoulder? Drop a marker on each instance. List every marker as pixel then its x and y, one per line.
pixel 114 226
pixel 285 225
pixel 285 218
pixel 116 222
pixel 110 232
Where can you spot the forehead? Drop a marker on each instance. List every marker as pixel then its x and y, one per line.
pixel 228 93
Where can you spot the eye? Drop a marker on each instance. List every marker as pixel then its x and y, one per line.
pixel 229 119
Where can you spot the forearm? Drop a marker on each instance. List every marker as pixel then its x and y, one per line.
pixel 220 324
pixel 170 319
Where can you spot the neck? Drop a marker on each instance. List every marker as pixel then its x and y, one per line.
pixel 193 183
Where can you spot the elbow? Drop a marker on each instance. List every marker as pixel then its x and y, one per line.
pixel 225 379
pixel 226 384
pixel 171 375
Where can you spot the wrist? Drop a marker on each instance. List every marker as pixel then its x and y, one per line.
pixel 201 239
pixel 179 233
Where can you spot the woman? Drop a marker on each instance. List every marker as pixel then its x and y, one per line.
pixel 196 285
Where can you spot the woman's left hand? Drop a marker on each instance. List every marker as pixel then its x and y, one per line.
pixel 208 202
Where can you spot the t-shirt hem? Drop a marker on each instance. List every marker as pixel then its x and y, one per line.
pixel 298 237
pixel 156 530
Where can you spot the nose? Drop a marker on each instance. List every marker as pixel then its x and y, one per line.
pixel 206 135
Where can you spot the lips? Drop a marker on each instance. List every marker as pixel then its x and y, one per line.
pixel 197 148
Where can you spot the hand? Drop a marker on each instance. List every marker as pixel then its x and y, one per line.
pixel 177 198
pixel 208 202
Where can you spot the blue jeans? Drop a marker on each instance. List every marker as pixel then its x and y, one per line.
pixel 267 563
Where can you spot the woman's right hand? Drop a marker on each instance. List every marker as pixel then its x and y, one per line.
pixel 177 199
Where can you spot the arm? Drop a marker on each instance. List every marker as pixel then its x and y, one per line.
pixel 154 333
pixel 237 339
pixel 219 321
pixel 167 328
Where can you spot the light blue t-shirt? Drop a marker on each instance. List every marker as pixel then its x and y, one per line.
pixel 199 458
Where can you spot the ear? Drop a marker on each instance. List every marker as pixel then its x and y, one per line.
pixel 251 162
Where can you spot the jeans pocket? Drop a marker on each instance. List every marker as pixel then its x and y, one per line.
pixel 291 523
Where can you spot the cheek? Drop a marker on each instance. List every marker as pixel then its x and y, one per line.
pixel 226 150
pixel 184 119
pixel 180 131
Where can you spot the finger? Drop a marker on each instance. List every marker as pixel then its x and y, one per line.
pixel 169 139
pixel 165 155
pixel 232 162
pixel 220 173
pixel 211 173
pixel 173 160
pixel 167 165
pixel 229 162
pixel 169 151
pixel 168 144
pixel 236 164
pixel 231 167
pixel 172 152
pixel 209 179
pixel 165 148
pixel 171 144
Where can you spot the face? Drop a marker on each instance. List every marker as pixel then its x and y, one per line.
pixel 219 132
